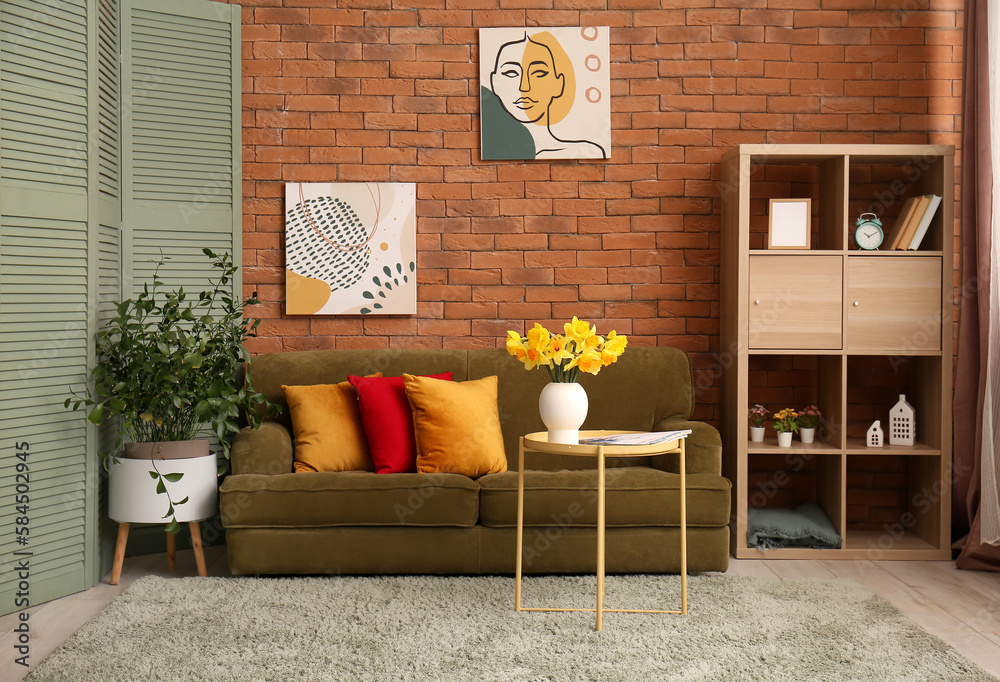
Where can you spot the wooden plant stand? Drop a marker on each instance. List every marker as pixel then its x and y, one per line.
pixel 199 555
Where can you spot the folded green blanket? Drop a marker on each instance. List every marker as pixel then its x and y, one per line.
pixel 805 526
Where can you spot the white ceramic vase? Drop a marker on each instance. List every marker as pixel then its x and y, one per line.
pixel 784 439
pixel 756 434
pixel 133 499
pixel 563 408
pixel 807 435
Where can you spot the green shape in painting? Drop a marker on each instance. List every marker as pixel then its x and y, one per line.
pixel 504 137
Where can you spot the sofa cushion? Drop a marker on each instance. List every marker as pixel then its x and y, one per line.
pixel 635 496
pixel 388 422
pixel 456 425
pixel 327 427
pixel 348 498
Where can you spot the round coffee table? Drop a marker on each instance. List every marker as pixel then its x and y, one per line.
pixel 539 442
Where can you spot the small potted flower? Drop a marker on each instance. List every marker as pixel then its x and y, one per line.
pixel 757 414
pixel 786 423
pixel 809 420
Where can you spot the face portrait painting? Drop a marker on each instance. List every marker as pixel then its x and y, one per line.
pixel 529 93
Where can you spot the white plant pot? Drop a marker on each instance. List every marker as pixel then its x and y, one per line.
pixel 757 434
pixel 133 497
pixel 563 408
pixel 807 435
pixel 784 439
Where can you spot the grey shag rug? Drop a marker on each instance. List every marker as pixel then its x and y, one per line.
pixel 465 629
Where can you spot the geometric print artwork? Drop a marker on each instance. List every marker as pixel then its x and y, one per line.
pixel 350 249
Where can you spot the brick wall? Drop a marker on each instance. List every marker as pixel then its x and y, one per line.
pixel 387 90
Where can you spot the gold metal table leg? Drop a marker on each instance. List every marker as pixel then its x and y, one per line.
pixel 684 542
pixel 600 538
pixel 520 523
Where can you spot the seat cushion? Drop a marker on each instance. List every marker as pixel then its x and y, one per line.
pixel 635 496
pixel 348 498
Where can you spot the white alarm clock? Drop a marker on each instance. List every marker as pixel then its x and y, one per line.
pixel 868 233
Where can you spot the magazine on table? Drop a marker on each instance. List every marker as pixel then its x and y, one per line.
pixel 644 438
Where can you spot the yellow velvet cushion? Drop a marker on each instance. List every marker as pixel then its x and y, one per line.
pixel 327 426
pixel 457 425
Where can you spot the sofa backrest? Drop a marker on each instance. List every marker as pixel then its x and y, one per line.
pixel 644 387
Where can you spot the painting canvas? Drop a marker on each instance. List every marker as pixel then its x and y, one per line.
pixel 350 248
pixel 545 93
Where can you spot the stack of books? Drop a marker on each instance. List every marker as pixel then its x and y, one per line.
pixel 911 225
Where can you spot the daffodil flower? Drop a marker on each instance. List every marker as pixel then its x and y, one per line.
pixel 565 356
pixel 538 337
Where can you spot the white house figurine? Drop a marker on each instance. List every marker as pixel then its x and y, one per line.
pixel 876 437
pixel 902 423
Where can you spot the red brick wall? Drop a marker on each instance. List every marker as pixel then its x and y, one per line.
pixel 387 90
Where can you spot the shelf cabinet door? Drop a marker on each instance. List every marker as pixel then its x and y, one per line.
pixel 894 304
pixel 796 302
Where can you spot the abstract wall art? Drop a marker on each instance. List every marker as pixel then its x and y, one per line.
pixel 350 248
pixel 545 93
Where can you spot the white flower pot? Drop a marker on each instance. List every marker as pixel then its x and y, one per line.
pixel 756 434
pixel 563 408
pixel 807 435
pixel 133 497
pixel 784 439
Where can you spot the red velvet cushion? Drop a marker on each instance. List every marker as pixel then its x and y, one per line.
pixel 388 422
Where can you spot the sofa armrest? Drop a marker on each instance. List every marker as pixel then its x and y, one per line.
pixel 703 450
pixel 267 450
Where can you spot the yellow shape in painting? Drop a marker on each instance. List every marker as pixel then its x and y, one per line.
pixel 304 295
pixel 544 49
pixel 384 246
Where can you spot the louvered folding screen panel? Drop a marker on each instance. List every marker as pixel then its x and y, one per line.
pixel 181 182
pixel 109 214
pixel 46 281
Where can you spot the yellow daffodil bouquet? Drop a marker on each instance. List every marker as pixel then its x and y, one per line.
pixel 565 355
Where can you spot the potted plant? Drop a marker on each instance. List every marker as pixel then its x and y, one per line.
pixel 169 365
pixel 786 423
pixel 809 420
pixel 757 414
pixel 563 403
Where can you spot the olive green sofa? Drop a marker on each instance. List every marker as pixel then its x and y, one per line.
pixel 279 522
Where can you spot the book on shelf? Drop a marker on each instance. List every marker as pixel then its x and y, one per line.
pixel 925 221
pixel 906 236
pixel 905 213
pixel 642 438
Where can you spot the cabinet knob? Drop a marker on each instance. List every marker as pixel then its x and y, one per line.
pixel 757 302
pixel 857 303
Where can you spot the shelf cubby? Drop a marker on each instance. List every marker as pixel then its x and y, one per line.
pixel 893 502
pixel 874 384
pixel 799 178
pixel 881 184
pixel 796 381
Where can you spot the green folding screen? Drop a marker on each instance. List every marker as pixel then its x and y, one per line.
pixel 119 142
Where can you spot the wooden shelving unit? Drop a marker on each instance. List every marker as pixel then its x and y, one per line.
pixel 845 329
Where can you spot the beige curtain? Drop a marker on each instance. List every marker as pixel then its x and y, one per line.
pixel 977 385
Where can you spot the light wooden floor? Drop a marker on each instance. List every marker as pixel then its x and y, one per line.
pixel 960 607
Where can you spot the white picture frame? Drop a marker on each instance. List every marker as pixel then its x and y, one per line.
pixel 788 223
